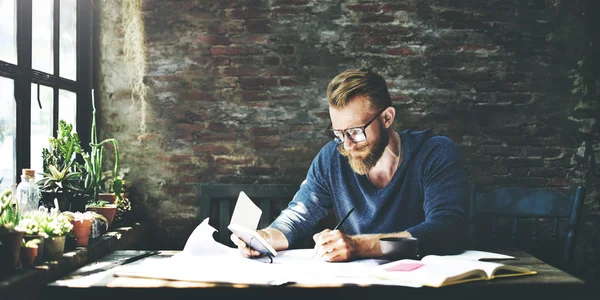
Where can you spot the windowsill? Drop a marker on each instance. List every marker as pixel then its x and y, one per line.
pixel 29 283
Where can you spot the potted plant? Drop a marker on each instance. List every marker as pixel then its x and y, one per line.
pixel 108 187
pixel 10 233
pixel 82 225
pixel 30 223
pixel 56 225
pixel 108 210
pixel 62 173
pixel 29 252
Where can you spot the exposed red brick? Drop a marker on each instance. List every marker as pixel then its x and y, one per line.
pixel 398 7
pixel 266 142
pixel 239 71
pixel 271 60
pixel 323 115
pixel 290 82
pixel 475 47
pixel 377 40
pixel 291 2
pixel 258 26
pixel 290 10
pixel 377 19
pixel 254 95
pixel 400 51
pixel 365 7
pixel 236 50
pixel 259 170
pixel 217 137
pixel 262 131
pixel 246 14
pixel 257 82
pixel 212 149
pixel 250 39
pixel 187 127
pixel 286 97
pixel 279 72
pixel 284 49
pixel 211 39
pixel 234 161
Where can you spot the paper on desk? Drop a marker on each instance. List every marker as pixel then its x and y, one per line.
pixel 202 244
pixel 205 260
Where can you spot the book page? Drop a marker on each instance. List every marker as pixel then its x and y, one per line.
pixel 490 268
pixel 476 255
pixel 433 273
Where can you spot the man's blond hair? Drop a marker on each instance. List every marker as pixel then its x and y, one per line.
pixel 362 82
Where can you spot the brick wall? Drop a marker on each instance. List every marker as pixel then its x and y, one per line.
pixel 237 92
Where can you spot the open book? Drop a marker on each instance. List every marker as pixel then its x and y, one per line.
pixel 438 271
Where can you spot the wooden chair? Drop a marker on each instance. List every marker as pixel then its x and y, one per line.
pixel 527 218
pixel 217 201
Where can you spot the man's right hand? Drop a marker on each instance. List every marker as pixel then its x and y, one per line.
pixel 243 247
pixel 273 236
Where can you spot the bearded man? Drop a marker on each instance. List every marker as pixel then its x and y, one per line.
pixel 400 184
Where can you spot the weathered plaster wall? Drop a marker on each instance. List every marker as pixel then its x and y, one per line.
pixel 237 92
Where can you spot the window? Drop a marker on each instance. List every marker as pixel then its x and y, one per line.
pixel 46 72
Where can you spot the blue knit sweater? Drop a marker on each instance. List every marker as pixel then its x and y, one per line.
pixel 426 196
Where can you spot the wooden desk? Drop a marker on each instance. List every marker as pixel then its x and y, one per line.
pixel 96 280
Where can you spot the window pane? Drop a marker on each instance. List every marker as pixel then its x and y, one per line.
pixel 8 130
pixel 67 107
pixel 41 123
pixel 42 36
pixel 68 39
pixel 8 31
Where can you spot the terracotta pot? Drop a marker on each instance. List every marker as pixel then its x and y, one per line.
pixel 10 251
pixel 54 247
pixel 40 253
pixel 82 232
pixel 108 211
pixel 108 197
pixel 28 256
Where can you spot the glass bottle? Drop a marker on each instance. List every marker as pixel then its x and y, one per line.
pixel 28 192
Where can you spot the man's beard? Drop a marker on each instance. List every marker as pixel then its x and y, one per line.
pixel 369 154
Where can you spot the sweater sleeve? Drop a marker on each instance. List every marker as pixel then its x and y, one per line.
pixel 310 204
pixel 444 200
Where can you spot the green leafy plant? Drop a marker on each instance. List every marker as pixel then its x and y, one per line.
pixel 33 243
pixel 30 222
pixel 94 161
pixel 60 180
pixel 61 170
pixel 9 211
pixel 100 203
pixel 63 149
pixel 53 222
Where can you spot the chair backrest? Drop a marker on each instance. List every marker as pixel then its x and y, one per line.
pixel 528 218
pixel 217 201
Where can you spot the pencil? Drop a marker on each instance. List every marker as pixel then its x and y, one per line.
pixel 339 224
pixel 344 219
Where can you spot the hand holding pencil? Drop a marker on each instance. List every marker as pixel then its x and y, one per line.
pixel 334 245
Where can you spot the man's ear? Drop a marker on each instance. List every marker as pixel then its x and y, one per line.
pixel 388 116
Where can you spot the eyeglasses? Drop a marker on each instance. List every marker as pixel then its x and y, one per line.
pixel 355 134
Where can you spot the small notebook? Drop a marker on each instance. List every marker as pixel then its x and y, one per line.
pixel 244 222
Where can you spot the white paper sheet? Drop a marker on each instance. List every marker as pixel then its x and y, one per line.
pixel 205 260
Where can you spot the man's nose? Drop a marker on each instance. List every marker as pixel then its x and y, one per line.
pixel 348 143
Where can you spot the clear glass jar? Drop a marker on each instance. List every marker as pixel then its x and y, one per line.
pixel 28 193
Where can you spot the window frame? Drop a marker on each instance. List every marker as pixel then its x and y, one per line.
pixel 24 76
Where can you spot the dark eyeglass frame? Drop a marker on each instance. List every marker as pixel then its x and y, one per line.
pixel 331 132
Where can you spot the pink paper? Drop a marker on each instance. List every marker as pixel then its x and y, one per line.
pixel 404 267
